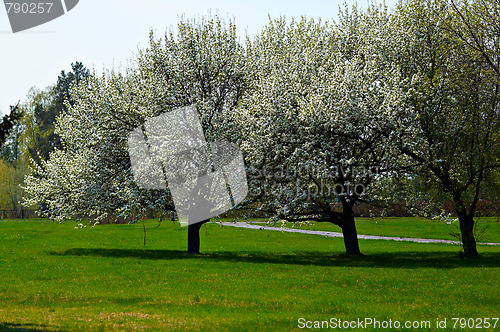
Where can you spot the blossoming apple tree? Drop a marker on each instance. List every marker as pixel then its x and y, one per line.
pixel 311 120
pixel 200 64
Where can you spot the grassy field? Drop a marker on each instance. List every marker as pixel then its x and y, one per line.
pixel 56 277
pixel 488 228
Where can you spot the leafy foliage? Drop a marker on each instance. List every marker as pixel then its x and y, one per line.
pixel 8 122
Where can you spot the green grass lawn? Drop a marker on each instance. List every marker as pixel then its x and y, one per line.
pixel 56 277
pixel 488 228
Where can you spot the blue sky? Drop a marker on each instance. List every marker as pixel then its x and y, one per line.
pixel 105 34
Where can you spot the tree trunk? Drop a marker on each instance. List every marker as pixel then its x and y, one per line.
pixel 350 234
pixel 467 231
pixel 466 221
pixel 194 237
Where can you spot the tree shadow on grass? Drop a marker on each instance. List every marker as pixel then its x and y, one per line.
pixel 405 260
pixel 22 327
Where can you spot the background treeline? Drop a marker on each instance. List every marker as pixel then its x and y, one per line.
pixel 29 136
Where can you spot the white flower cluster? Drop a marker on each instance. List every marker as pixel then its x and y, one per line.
pixel 321 98
pixel 361 93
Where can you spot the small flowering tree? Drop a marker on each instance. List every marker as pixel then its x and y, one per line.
pixel 450 124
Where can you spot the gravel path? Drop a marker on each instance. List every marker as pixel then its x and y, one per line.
pixel 336 234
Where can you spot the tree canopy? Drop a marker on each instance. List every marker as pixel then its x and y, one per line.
pixel 200 65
